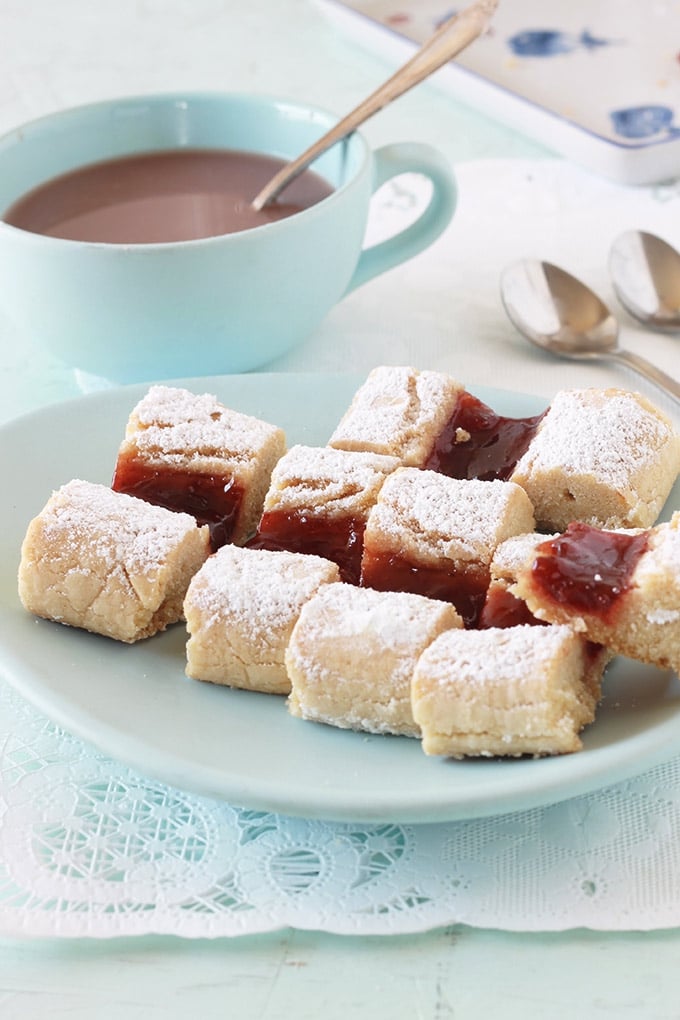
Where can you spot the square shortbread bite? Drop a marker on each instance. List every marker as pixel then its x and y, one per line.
pixel 240 610
pixel 606 457
pixel 109 563
pixel 398 411
pixel 352 652
pixel 189 452
pixel 436 536
pixel 618 588
pixel 506 692
pixel 318 502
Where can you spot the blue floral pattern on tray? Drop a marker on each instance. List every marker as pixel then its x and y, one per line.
pixel 549 42
pixel 644 121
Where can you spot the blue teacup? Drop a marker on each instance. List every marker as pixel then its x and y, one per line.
pixel 229 303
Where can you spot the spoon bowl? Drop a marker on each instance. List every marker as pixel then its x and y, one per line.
pixel 557 312
pixel 645 272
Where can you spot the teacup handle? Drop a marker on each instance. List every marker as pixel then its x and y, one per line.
pixel 391 161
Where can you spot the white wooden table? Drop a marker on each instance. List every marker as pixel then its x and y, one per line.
pixel 76 51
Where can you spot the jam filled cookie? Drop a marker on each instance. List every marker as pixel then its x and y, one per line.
pixel 188 452
pixel 619 588
pixel 398 411
pixel 352 652
pixel 240 610
pixel 318 502
pixel 109 563
pixel 436 536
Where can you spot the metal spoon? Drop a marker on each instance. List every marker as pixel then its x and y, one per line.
pixel 645 271
pixel 557 312
pixel 452 36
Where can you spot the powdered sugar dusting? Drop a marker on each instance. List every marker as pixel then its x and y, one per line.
pixel 90 519
pixel 512 554
pixel 338 480
pixel 458 519
pixel 394 406
pixel 179 425
pixel 482 656
pixel 660 617
pixel 261 589
pixel 610 433
pixel 662 557
pixel 397 620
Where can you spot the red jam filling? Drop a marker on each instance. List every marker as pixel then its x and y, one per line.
pixel 587 569
pixel 503 609
pixel 465 589
pixel 337 539
pixel 213 500
pixel 478 443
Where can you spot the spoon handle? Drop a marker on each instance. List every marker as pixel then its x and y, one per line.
pixel 645 368
pixel 451 37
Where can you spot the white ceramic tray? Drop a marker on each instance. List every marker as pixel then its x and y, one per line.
pixel 598 82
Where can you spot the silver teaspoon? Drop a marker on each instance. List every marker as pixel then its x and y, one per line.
pixel 452 36
pixel 557 312
pixel 645 271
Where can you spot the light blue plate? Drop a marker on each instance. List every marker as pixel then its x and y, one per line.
pixel 134 702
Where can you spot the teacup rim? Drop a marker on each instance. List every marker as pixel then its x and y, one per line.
pixel 183 95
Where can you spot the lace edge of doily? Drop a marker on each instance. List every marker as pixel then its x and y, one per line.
pixel 49 927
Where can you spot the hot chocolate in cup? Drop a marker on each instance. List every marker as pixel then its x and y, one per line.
pixel 136 310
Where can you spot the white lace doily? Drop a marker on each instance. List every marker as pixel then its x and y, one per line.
pixel 90 848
